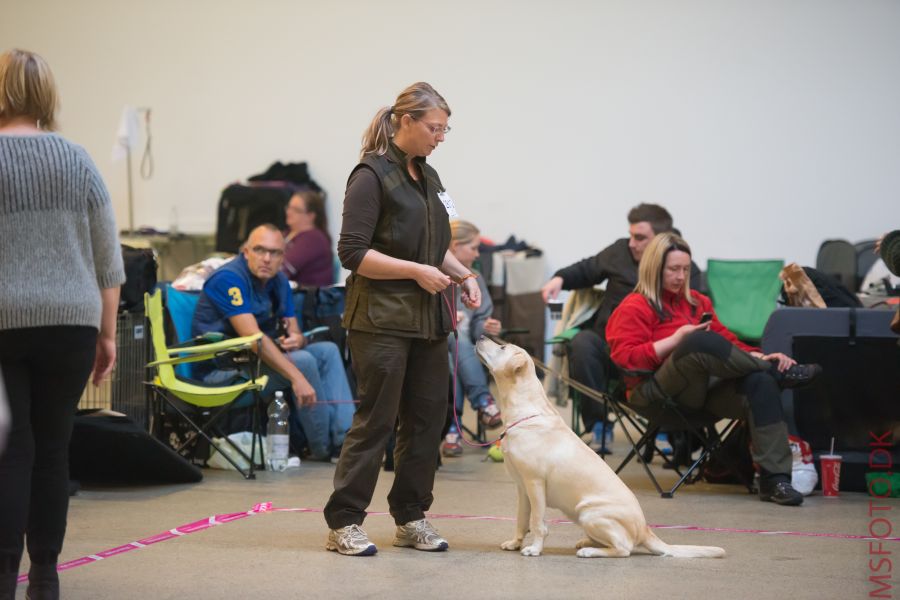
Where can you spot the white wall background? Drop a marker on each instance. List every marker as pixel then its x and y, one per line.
pixel 764 126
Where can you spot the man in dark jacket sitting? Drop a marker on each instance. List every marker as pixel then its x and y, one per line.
pixel 616 264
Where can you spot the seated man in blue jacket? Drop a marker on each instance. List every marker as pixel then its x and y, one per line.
pixel 249 295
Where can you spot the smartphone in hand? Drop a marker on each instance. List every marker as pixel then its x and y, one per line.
pixel 705 318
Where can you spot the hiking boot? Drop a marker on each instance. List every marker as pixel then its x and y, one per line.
pixel 798 376
pixel 489 415
pixel 43 583
pixel 350 540
pixel 421 536
pixel 780 493
pixel 451 447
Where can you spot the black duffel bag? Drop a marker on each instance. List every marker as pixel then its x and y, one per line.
pixel 140 277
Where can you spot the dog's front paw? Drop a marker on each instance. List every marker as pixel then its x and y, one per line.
pixel 531 551
pixel 511 544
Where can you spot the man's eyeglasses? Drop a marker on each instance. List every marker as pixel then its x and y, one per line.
pixel 261 252
pixel 434 129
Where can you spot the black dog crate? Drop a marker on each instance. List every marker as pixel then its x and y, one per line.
pixel 125 391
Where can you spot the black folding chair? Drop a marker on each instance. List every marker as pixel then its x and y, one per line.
pixel 648 421
pixel 700 426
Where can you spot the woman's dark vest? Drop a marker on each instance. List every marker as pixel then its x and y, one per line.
pixel 412 226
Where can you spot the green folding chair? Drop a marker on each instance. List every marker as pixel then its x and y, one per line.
pixel 211 402
pixel 744 294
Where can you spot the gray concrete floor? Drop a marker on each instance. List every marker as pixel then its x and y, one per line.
pixel 281 554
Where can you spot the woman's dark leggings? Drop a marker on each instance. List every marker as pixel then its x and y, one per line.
pixel 707 371
pixel 45 370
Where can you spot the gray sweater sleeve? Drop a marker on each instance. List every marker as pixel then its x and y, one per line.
pixel 105 245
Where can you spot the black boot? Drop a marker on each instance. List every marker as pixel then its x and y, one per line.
pixel 797 376
pixel 778 489
pixel 43 583
pixel 8 585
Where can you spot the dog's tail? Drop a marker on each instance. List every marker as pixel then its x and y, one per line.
pixel 654 545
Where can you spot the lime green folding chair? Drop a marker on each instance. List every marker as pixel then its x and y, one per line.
pixel 744 294
pixel 207 401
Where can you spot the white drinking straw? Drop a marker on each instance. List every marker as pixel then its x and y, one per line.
pixel 832 445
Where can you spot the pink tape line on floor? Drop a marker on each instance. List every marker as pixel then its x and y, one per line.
pixel 263 507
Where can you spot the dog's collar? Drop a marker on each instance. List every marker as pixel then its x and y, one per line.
pixel 514 423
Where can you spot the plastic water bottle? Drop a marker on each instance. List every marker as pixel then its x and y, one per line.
pixel 277 438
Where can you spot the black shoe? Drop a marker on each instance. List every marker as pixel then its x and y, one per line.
pixel 43 583
pixel 799 376
pixel 780 493
pixel 8 585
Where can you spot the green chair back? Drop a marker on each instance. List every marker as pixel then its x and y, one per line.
pixel 744 293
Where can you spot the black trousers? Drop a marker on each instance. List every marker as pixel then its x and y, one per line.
pixel 590 364
pixel 45 370
pixel 707 372
pixel 396 377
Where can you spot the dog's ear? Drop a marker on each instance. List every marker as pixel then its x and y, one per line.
pixel 518 363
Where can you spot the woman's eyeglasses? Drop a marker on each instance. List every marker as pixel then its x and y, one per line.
pixel 434 129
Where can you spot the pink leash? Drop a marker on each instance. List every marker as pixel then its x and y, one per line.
pixel 454 323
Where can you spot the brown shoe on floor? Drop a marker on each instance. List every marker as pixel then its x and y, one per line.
pixel 489 416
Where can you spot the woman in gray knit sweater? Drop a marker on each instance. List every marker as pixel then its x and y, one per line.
pixel 60 272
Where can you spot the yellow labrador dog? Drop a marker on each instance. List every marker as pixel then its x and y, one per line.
pixel 553 467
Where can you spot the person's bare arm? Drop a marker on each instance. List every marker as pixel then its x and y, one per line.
pixel 105 359
pixel 471 293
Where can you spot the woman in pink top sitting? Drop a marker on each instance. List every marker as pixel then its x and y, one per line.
pixel 308 258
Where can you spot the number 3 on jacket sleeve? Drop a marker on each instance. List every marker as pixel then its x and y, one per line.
pixel 236 298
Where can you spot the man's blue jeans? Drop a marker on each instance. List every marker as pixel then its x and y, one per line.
pixel 324 424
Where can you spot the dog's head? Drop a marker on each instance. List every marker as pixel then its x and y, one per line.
pixel 505 361
pixel 517 382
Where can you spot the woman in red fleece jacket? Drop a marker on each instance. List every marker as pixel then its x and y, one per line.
pixel 698 363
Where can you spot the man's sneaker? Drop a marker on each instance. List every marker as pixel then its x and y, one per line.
pixel 489 415
pixel 799 376
pixel 451 447
pixel 350 540
pixel 663 444
pixel 780 493
pixel 421 536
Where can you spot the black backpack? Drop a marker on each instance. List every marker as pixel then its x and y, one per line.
pixel 140 277
pixel 832 291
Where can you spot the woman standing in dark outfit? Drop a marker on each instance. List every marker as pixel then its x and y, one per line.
pixel 60 271
pixel 395 239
